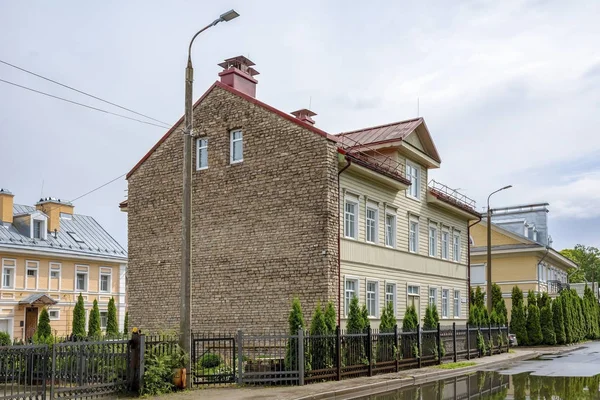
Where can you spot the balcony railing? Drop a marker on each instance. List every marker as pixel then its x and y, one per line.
pixel 451 194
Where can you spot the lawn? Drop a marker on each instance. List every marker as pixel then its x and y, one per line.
pixel 456 365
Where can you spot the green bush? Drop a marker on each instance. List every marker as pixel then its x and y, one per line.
pixel 559 324
pixel 518 319
pixel 43 328
pixel 549 337
pixel 94 330
pixel 5 339
pixel 330 318
pixel 210 360
pixel 410 320
pixel 79 318
pixel 158 375
pixel 112 326
pixel 534 329
pixel 318 348
pixel 356 322
pixel 126 324
pixel 295 322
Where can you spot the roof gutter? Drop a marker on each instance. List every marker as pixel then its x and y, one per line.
pixel 339 260
pixel 469 263
pixel 63 254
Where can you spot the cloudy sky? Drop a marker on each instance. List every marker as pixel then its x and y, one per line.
pixel 509 89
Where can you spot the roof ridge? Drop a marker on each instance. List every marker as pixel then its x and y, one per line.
pixel 74 214
pixel 379 126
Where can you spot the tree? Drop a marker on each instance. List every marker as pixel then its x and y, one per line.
pixel 94 322
pixel 319 351
pixel 126 324
pixel 365 316
pixel 79 318
pixel 534 329
pixel 330 318
pixel 112 326
pixel 43 329
pixel 431 318
pixel 548 335
pixel 565 302
pixel 544 300
pixel 410 320
pixel 499 306
pixel 588 259
pixel 591 314
pixel 295 322
pixel 355 322
pixel 386 344
pixel 518 319
pixel 388 319
pixel 559 327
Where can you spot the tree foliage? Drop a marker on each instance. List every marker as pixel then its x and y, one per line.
pixel 498 306
pixel 534 329
pixel 319 349
pixel 112 325
pixel 126 324
pixel 388 319
pixel 79 318
pixel 518 321
pixel 355 322
pixel 295 322
pixel 94 329
pixel 588 259
pixel 330 318
pixel 548 334
pixel 410 320
pixel 559 323
pixel 43 329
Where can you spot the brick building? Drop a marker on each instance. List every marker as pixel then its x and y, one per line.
pixel 267 214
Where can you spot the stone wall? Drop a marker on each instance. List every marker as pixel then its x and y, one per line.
pixel 263 231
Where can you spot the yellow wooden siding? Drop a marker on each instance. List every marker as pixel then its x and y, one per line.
pixel 479 235
pixel 414 140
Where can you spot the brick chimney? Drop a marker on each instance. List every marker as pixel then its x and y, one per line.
pixel 239 74
pixel 54 209
pixel 6 206
pixel 305 115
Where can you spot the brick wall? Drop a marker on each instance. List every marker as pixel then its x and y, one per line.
pixel 263 230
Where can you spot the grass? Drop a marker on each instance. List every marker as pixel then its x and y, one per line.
pixel 456 365
pixel 511 351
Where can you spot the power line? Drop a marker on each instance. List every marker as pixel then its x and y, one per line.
pixel 83 105
pixel 82 92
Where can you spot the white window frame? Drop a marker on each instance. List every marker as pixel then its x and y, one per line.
pixel 13 267
pixel 433 245
pixel 414 190
pixel 105 271
pixel 456 302
pixel 375 223
pixel 390 241
pixel 32 265
pixel 356 292
pixel 372 313
pixel 54 267
pixel 54 310
pixel 394 294
pixel 409 285
pixel 456 247
pixel 43 228
pixel 413 237
pixel 446 245
pixel 434 297
pixel 101 326
pixel 445 296
pixel 232 142
pixel 355 214
pixel 87 278
pixel 201 144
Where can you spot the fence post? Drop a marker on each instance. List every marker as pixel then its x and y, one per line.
pixel 454 339
pixel 418 355
pixel 396 347
pixel 468 343
pixel 142 361
pixel 370 350
pixel 338 351
pixel 300 357
pixel 439 343
pixel 490 339
pixel 240 356
pixel 52 371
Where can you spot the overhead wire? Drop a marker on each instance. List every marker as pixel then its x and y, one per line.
pixel 81 92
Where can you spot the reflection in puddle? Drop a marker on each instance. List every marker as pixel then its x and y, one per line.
pixel 489 385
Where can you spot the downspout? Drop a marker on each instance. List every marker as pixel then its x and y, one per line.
pixel 348 162
pixel 469 265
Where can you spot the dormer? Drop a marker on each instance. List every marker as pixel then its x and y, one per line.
pixel 38 227
pixel 55 209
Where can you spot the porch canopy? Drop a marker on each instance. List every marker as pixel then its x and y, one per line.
pixel 38 299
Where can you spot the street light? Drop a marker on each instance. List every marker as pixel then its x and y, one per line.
pixel 489 250
pixel 186 272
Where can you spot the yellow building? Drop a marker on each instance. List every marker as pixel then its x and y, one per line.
pixel 517 261
pixel 49 255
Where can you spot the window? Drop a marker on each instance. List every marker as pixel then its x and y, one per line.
pixel 350 291
pixel 75 237
pixel 457 303
pixel 8 277
pixel 390 230
pixel 104 282
pixel 201 154
pixel 54 314
pixel 390 295
pixel 432 241
pixel 412 174
pixel 445 245
pixel 237 147
pixel 81 283
pixel 433 296
pixel 372 295
pixel 103 319
pixel 37 229
pixel 350 222
pixel 372 219
pixel 477 274
pixel 445 293
pixel 413 290
pixel 456 247
pixel 31 272
pixel 413 237
pixel 54 274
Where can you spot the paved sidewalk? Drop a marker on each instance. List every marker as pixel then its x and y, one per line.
pixel 359 386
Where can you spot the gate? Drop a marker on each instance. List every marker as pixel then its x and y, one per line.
pixel 213 359
pixel 23 372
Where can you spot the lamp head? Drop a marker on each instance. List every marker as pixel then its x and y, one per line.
pixel 229 15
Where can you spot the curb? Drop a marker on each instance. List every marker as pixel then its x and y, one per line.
pixel 393 384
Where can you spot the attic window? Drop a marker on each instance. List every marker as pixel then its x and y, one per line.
pixel 65 216
pixel 75 237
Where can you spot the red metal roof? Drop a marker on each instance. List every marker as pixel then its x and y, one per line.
pixel 381 133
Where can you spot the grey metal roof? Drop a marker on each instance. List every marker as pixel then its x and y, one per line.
pixel 95 240
pixel 39 298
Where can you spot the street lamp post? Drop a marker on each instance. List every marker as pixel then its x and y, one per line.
pixel 186 270
pixel 489 250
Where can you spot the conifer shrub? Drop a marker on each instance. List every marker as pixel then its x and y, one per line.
pixel 558 321
pixel 319 349
pixel 126 324
pixel 549 337
pixel 518 321
pixel 94 330
pixel 79 318
pixel 295 322
pixel 43 328
pixel 534 329
pixel 112 326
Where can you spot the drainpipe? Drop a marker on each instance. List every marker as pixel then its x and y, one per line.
pixel 469 266
pixel 348 162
